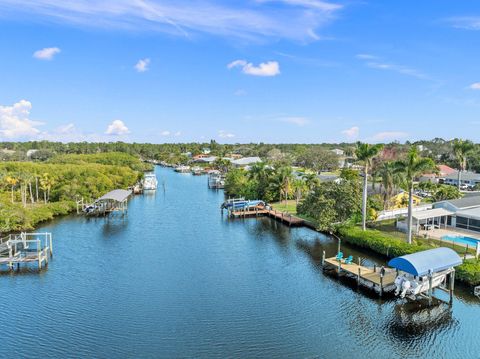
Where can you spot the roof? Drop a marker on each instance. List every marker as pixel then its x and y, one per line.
pixel 431 213
pixel 446 170
pixel 470 213
pixel 246 161
pixel 465 176
pixel 465 202
pixel 118 195
pixel 420 263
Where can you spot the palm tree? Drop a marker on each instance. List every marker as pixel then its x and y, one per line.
pixel 299 187
pixel 389 181
pixel 12 182
pixel 282 182
pixel 410 168
pixel 46 183
pixel 461 149
pixel 365 153
pixel 311 180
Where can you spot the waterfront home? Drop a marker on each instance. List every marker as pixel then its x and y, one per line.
pixel 204 159
pixel 467 178
pixel 246 161
pixel 465 212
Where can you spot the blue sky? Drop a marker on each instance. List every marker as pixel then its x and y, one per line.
pixel 239 71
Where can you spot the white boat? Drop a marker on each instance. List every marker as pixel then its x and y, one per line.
pixel 216 180
pixel 197 171
pixel 407 285
pixel 150 182
pixel 182 169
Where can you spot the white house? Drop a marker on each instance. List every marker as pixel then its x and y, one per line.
pixel 466 178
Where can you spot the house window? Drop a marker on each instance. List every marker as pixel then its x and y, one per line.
pixel 462 222
pixel 474 225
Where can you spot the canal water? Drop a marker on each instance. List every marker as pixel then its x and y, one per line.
pixel 176 279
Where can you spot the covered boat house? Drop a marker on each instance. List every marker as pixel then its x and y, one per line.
pixel 113 201
pixel 424 271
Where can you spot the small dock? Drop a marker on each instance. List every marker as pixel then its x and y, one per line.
pixel 261 210
pixel 26 248
pixel 380 280
pixel 115 201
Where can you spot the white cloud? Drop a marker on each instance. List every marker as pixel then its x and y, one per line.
pixel 311 4
pixel 270 68
pixel 177 134
pixel 165 133
pixel 47 53
pixel 475 86
pixel 225 134
pixel 376 62
pixel 352 133
pixel 389 136
pixel 366 57
pixel 142 65
pixel 117 128
pixel 15 121
pixel 250 20
pixel 465 22
pixel 295 120
pixel 66 129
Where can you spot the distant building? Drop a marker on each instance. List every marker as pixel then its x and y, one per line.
pixel 246 161
pixel 466 178
pixel 400 200
pixel 204 159
pixel 443 172
pixel 30 153
pixel 338 152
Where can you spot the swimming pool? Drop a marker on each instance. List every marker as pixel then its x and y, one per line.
pixel 472 242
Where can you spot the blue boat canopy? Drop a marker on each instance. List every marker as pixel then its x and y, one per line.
pixel 420 263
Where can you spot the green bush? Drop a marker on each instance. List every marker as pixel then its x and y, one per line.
pixel 469 272
pixel 380 242
pixel 390 246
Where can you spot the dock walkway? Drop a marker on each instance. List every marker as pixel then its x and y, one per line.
pixel 283 217
pixel 369 277
pixel 25 248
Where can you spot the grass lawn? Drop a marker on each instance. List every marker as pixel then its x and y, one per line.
pixel 290 207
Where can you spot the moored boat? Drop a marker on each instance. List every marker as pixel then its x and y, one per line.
pixel 182 169
pixel 150 182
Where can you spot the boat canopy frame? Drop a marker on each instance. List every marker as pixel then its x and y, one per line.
pixel 427 262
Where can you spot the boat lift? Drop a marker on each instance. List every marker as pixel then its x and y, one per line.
pixel 420 273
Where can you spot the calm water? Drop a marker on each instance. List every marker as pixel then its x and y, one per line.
pixel 177 280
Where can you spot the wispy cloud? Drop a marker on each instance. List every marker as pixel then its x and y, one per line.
pixel 270 68
pixel 46 53
pixel 465 22
pixel 225 134
pixel 295 120
pixel 295 20
pixel 389 136
pixel 376 62
pixel 475 86
pixel 142 65
pixel 352 133
pixel 117 128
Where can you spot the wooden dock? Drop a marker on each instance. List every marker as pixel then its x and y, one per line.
pixel 26 248
pixel 379 279
pixel 283 217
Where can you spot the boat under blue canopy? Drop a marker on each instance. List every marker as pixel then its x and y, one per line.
pixel 420 263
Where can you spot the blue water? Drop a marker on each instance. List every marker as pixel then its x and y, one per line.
pixel 472 242
pixel 175 279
